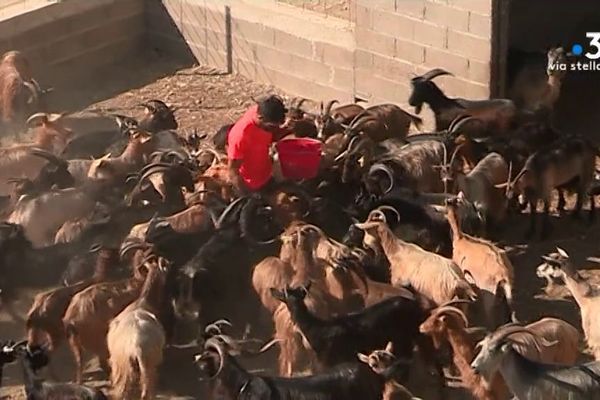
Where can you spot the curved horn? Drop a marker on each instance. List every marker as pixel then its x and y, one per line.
pixel 455 153
pixel 35 93
pixel 385 169
pixel 229 209
pixel 300 103
pixel 328 106
pixel 512 328
pixel 214 344
pixel 127 247
pixel 434 73
pixel 451 310
pixel 37 119
pixel 390 208
pixel 216 327
pixel 454 128
pixel 50 157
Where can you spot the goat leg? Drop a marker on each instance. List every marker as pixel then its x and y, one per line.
pixel 532 217
pixel 545 232
pixel 579 203
pixel 592 216
pixel 75 345
pixel 561 201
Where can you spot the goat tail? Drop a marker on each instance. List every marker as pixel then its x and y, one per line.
pixel 505 287
pixel 122 374
pixel 504 301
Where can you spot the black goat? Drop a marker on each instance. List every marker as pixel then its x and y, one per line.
pixel 220 138
pixel 35 359
pixel 356 380
pixel 498 115
pixel 339 339
pixel 8 354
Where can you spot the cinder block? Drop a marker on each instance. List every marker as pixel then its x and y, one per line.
pixel 483 7
pixel 215 20
pixel 364 16
pixel 334 55
pixel 293 44
pixel 273 58
pixel 188 12
pixel 480 25
pixel 253 32
pixel 243 49
pixel 413 8
pixel 442 15
pixel 430 34
pixel 310 69
pixel 472 47
pixel 343 78
pixel 375 42
pixel 410 51
pixel 363 58
pixel 476 91
pixel 436 58
pixel 479 72
pixel 395 25
pixel 392 68
pixel 385 5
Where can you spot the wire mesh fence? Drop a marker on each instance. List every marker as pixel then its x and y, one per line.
pixel 335 8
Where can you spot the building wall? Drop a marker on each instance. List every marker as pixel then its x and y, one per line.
pixel 398 39
pixel 306 54
pixel 68 39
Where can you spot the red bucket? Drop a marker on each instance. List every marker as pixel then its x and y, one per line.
pixel 299 157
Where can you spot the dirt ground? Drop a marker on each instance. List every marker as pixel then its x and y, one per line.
pixel 207 99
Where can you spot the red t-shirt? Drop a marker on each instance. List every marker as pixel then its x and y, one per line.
pixel 246 141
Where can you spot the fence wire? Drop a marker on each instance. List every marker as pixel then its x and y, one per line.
pixel 335 8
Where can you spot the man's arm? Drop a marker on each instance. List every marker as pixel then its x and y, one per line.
pixel 234 175
pixel 281 132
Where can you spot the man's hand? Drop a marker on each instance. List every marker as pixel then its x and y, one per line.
pixel 236 178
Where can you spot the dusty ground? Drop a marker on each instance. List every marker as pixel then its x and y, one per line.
pixel 208 99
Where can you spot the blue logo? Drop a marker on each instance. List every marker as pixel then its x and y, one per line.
pixel 577 49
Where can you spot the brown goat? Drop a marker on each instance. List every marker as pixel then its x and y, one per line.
pixel 383 121
pixel 320 301
pixel 136 338
pixel 138 149
pixel 448 323
pixel 18 162
pixel 91 310
pixel 560 346
pixel 435 277
pixel 487 264
pixel 331 121
pixel 19 93
pixel 44 318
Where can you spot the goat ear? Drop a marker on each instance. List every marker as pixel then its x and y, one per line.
pixel 390 347
pixel 277 294
pixel 363 358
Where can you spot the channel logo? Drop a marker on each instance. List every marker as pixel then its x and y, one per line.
pixel 580 59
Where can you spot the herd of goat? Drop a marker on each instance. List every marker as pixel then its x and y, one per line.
pixel 383 260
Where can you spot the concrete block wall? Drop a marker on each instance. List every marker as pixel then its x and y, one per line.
pixel 70 39
pixel 305 54
pixel 398 39
pixel 294 53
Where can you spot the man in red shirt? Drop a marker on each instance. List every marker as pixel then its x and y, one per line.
pixel 248 144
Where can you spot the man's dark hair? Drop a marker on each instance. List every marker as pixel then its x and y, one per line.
pixel 272 110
